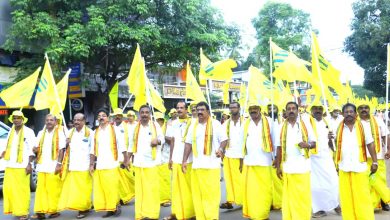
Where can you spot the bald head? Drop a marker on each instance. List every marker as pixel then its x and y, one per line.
pixel 79 121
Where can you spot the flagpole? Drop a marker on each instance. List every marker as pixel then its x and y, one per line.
pixel 387 89
pixel 70 109
pixel 208 95
pixel 271 77
pixel 128 101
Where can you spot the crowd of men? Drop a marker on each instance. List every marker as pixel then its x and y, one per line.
pixel 305 164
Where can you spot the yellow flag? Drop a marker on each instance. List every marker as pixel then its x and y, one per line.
pixel 257 92
pixel 330 76
pixel 157 101
pixel 225 90
pixel 136 72
pixel 243 95
pixel 114 93
pixel 221 70
pixel 62 89
pixel 140 92
pixel 193 90
pixel 45 96
pixel 19 95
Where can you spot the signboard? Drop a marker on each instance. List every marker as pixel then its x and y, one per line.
pixel 75 89
pixel 77 104
pixel 179 92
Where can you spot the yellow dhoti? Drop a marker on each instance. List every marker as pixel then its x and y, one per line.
pixel 16 192
pixel 126 185
pixel 206 193
pixel 49 187
pixel 106 190
pixel 147 194
pixel 76 192
pixel 257 192
pixel 296 202
pixel 277 190
pixel 379 189
pixel 165 183
pixel 182 205
pixel 355 200
pixel 233 180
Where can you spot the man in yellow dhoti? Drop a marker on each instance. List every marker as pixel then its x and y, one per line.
pixel 49 152
pixel 296 140
pixel 163 169
pixel 106 145
pixel 257 148
pixel 145 146
pixel 126 177
pixel 351 139
pixel 277 184
pixel 182 205
pixel 18 156
pixel 207 141
pixel 380 192
pixel 77 188
pixel 232 163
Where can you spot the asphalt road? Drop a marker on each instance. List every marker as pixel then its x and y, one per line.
pixel 234 214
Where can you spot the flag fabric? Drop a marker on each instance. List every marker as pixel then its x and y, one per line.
pixel 140 85
pixel 45 96
pixel 156 100
pixel 225 90
pixel 221 70
pixel 278 54
pixel 136 72
pixel 323 70
pixel 62 90
pixel 257 92
pixel 19 95
pixel 243 96
pixel 193 90
pixel 113 95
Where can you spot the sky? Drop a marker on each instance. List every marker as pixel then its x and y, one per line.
pixel 332 18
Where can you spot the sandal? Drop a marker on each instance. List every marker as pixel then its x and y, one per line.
pixel 25 217
pixel 171 217
pixel 226 205
pixel 166 204
pixel 82 214
pixel 36 216
pixel 54 215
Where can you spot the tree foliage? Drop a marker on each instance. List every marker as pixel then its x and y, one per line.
pixel 288 27
pixel 103 33
pixel 367 43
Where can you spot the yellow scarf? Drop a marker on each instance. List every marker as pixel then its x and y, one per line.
pixel 20 145
pixel 208 138
pixel 228 130
pixel 283 138
pixel 361 141
pixel 65 163
pixel 188 124
pixel 313 124
pixel 152 128
pixel 54 144
pixel 375 133
pixel 266 135
pixel 113 141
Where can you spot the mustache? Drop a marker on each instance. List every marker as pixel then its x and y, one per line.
pixel 364 112
pixel 291 113
pixel 200 114
pixel 253 112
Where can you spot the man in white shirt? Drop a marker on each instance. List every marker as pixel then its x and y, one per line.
pixel 126 177
pixel 207 141
pixel 380 192
pixel 77 189
pixel 277 184
pixel 232 163
pixel 145 147
pixel 182 205
pixel 257 151
pixel 296 141
pixel 335 118
pixel 324 179
pixel 49 152
pixel 18 157
pixel 352 139
pixel 106 146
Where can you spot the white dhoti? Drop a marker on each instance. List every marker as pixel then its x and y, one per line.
pixel 324 184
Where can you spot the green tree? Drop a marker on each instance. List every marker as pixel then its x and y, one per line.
pixel 103 33
pixel 288 27
pixel 367 43
pixel 362 92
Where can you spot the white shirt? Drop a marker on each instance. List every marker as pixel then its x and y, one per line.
pixel 334 123
pixel 48 165
pixel 166 148
pixel 295 159
pixel 205 161
pixel 105 158
pixel 143 156
pixel 322 139
pixel 350 161
pixel 383 131
pixel 120 133
pixel 254 145
pixel 275 131
pixel 80 146
pixel 234 149
pixel 177 131
pixel 29 142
